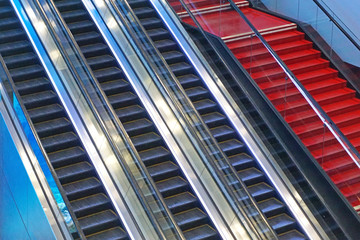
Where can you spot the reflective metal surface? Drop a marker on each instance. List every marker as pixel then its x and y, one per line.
pixel 169 123
pixel 85 119
pixel 280 181
pixel 22 174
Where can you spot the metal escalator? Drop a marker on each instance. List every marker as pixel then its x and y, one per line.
pixel 230 142
pixel 83 188
pixel 171 182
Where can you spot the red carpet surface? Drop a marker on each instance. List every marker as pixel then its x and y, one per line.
pixel 314 72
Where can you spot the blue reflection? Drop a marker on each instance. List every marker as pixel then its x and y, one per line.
pixel 21 213
pixel 43 164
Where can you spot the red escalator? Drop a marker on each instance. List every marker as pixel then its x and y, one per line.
pixel 314 72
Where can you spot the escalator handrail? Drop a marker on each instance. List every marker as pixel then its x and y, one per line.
pixel 176 102
pixel 303 152
pixel 340 137
pixel 42 150
pixel 118 124
pixel 113 12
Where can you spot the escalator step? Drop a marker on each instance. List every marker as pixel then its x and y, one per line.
pixel 261 191
pixel 8 23
pixel 93 50
pixel 214 119
pixel 39 99
pixel 73 15
pixel 205 106
pixel 107 74
pixel 46 113
pixel 181 68
pixel 6 11
pixel 144 12
pixel 271 207
pixel 111 234
pixel 282 223
pixel 149 23
pixel 292 235
pixel 87 38
pixel 81 27
pixel 223 132
pixel 197 93
pixel 60 141
pixel 154 155
pixel 165 45
pixel 82 188
pixel 172 186
pixel 68 5
pixel 138 126
pixel 146 141
pixel 20 60
pixel 90 204
pixel 232 146
pixel 33 85
pixel 17 47
pixel 56 126
pixel 241 161
pixel 11 35
pixel 26 73
pixel 121 99
pixel 67 156
pixel 102 61
pixel 74 172
pixel 251 176
pixel 138 3
pixel 130 112
pixel 173 57
pixel 204 232
pixel 158 34
pixel 98 222
pixel 191 218
pixel 189 80
pixel 163 170
pixel 181 202
pixel 115 86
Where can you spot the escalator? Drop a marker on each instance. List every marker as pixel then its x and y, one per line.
pixel 316 74
pixel 74 170
pixel 163 168
pixel 230 142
